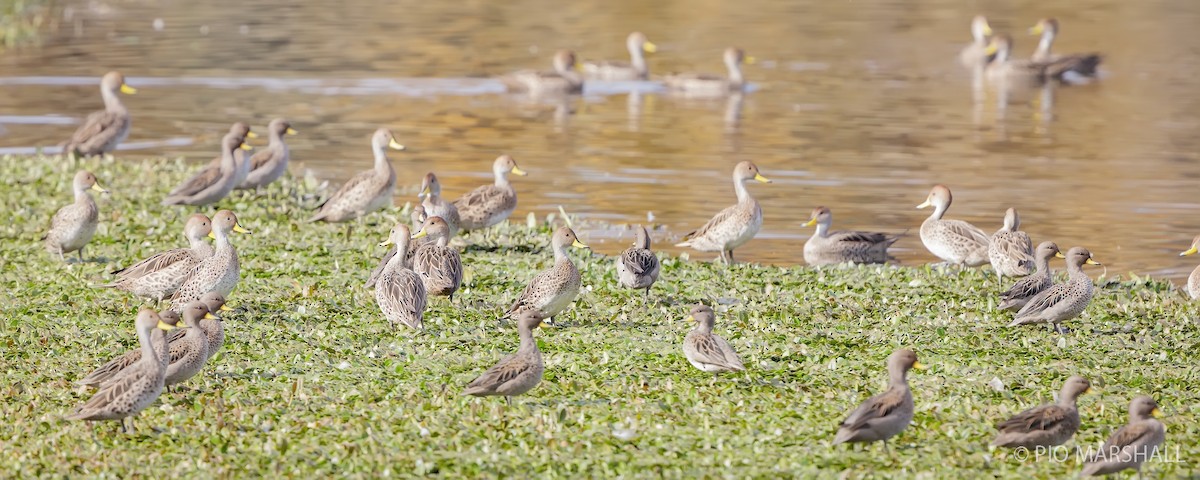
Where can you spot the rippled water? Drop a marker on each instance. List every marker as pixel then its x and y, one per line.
pixel 859 106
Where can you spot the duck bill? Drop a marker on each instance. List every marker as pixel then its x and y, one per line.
pixel 424 192
pixel 1036 29
pixel 649 47
pixel 210 316
pixel 225 308
pixel 920 366
pixel 1190 251
pixel 165 326
pixel 1092 262
pixel 394 145
pixel 518 171
pixel 1088 391
pixel 987 30
pixel 1059 255
pixel 245 146
pixel 579 244
pixel 1156 413
pixel 237 227
pixel 212 235
pixel 689 318
pixel 750 60
pixel 251 135
pixel 992 48
pixel 386 243
pixel 128 90
pixel 810 222
pixel 924 204
pixel 291 131
pixel 419 234
pixel 762 179
pixel 98 188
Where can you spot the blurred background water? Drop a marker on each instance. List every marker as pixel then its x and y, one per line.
pixel 860 106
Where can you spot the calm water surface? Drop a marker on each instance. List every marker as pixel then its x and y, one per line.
pixel 859 106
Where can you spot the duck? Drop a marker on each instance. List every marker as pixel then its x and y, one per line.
pixel 435 206
pixel 102 131
pixel 189 352
pixel 518 373
pixel 1084 66
pixel 159 276
pixel 704 349
pixel 270 163
pixel 209 188
pixel 214 327
pixel 565 79
pixel 218 273
pixel 438 265
pixel 829 248
pixel 399 291
pixel 137 389
pixel 1048 425
pixel 1193 284
pixel 1063 301
pixel 1065 70
pixel 1010 250
pixel 119 366
pixel 72 226
pixel 366 192
pixel 552 290
pixel 976 53
pixel 488 205
pixel 883 416
pixel 954 241
pixel 637 266
pixel 211 173
pixel 702 84
pixel 635 69
pixel 735 225
pixel 1132 444
pixel 418 217
pixel 1019 294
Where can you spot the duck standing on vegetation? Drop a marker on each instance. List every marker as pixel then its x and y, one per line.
pixel 160 275
pixel 954 241
pixel 211 173
pixel 1048 425
pixel 102 131
pixel 976 54
pixel 828 248
pixel 735 225
pixel 1083 66
pixel 1019 294
pixel 552 290
pixel 214 328
pixel 1063 301
pixel 883 416
pixel 418 217
pixel 565 79
pixel 703 84
pixel 435 206
pixel 517 373
pixel 135 390
pixel 438 265
pixel 218 273
pixel 270 163
pixel 1133 444
pixel 189 352
pixel 72 226
pixel 637 267
pixel 399 291
pixel 637 69
pixel 366 192
pixel 210 186
pixel 706 350
pixel 1193 285
pixel 490 204
pixel 1010 250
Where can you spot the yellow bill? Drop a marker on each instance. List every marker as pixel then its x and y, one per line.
pixel 750 60
pixel 210 316
pixel 689 318
pixel 420 234
pixel 291 131
pixel 924 204
pixel 1092 262
pixel 237 227
pixel 1036 29
pixel 919 366
pixel 395 145
pixel 251 135
pixel 166 326
pixel 579 244
pixel 225 308
pixel 649 47
pixel 760 178
pixel 1156 413
pixel 991 48
pixel 386 243
pixel 1190 251
pixel 810 222
pixel 1060 255
pixel 96 186
pixel 517 171
pixel 128 90
pixel 245 146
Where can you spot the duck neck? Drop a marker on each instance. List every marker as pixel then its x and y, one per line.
pixel 442 241
pixel 276 139
pixel 1075 272
pixel 638 59
pixel 1043 48
pixel 939 210
pixel 222 242
pixel 1042 264
pixel 739 187
pixel 145 338
pixel 397 260
pixel 898 377
pixel 823 229
pixel 228 161
pixel 381 160
pixel 196 243
pixel 527 341
pixel 82 196
pixel 501 179
pixel 560 253
pixel 112 102
pixel 735 72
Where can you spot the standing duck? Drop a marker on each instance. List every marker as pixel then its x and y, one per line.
pixel 517 373
pixel 189 352
pixel 828 248
pixel 735 225
pixel 1193 285
pixel 160 275
pixel 490 204
pixel 1048 425
pixel 1019 294
pixel 418 217
pixel 399 292
pixel 565 79
pixel 636 69
pixel 438 265
pixel 637 267
pixel 72 226
pixel 436 206
pixel 366 192
pixel 954 241
pixel 210 186
pixel 136 389
pixel 706 350
pixel 1133 444
pixel 102 131
pixel 883 416
pixel 270 163
pixel 702 84
pixel 211 173
pixel 1010 250
pixel 1063 301
pixel 552 290
pixel 218 273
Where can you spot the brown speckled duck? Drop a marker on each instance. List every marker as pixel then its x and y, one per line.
pixel 102 131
